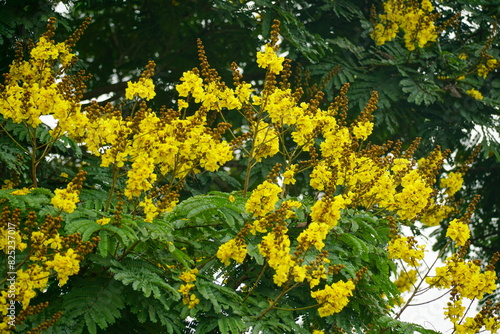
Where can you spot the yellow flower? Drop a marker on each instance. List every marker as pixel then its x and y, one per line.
pixel 65 265
pixel 144 89
pixel 193 301
pixel 182 104
pixel 321 176
pixel 288 175
pixel 263 199
pixel 452 183
pixel 270 60
pixel 474 93
pixel 465 277
pixel 458 232
pixel 362 130
pixel 65 199
pixel 406 280
pixel 405 248
pixel 275 247
pixel 413 19
pixel 188 299
pixel 54 243
pixel 103 221
pixel 232 249
pixel 23 191
pixel 333 298
pixel 189 275
pixel 150 209
pixel 414 196
pixel 266 142
pixel 141 176
pixel 44 50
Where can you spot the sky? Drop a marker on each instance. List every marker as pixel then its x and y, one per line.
pixel 431 315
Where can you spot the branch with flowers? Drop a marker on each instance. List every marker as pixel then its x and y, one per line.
pixel 309 239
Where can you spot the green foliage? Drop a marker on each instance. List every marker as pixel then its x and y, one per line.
pixel 130 282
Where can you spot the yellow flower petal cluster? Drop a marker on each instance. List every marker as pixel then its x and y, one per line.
pixel 414 196
pixel 406 280
pixel 465 276
pixel 35 277
pixel 66 199
pixel 275 247
pixel 65 265
pixel 189 275
pixel 458 232
pixel 435 214
pixel 320 176
pixel 35 87
pixel 304 129
pixel 333 298
pixel 335 142
pixel 328 210
pixel 213 96
pixel 141 176
pixel 452 183
pixel 484 69
pixel 45 49
pixel 288 175
pixel 4 240
pixel 234 249
pixel 266 142
pixel 188 299
pixel 143 88
pixel 412 17
pixel 150 209
pixel 405 248
pixel 103 221
pixel 263 199
pixel 24 191
pixel 314 235
pixel 475 94
pixel 268 59
pixel 362 130
pixel 282 107
pixel 156 146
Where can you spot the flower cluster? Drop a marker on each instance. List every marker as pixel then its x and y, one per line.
pixel 412 17
pixel 406 280
pixel 188 298
pixel 458 232
pixel 144 87
pixel 37 87
pixel 270 60
pixel 406 249
pixel 47 253
pixel 263 199
pixel 65 265
pixel 66 199
pixel 333 298
pixel 488 66
pixel 233 249
pixel 475 94
pixel 465 276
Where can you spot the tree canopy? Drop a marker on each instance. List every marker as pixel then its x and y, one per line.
pixel 209 198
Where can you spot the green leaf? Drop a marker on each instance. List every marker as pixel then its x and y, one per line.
pixel 144 277
pixel 422 92
pixel 98 301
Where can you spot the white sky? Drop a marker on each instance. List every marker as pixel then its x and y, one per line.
pixel 431 315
